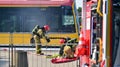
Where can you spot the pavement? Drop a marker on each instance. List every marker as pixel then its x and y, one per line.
pixel 32 60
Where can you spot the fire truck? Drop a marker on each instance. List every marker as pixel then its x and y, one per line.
pixel 99 40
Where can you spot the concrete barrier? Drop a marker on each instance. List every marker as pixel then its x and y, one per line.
pixel 20 58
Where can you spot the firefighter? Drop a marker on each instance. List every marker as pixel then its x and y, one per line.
pixel 67 50
pixel 39 33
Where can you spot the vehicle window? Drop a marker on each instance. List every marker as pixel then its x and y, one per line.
pixel 24 19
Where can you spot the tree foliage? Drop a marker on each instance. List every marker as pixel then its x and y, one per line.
pixel 79 9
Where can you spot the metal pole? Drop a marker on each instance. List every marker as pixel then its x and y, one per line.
pixel 11 49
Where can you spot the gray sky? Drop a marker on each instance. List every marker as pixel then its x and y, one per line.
pixel 79 3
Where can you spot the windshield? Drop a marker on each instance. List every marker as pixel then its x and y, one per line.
pixel 24 19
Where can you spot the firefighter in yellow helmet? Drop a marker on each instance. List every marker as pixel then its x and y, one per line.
pixel 39 33
pixel 68 47
pixel 68 53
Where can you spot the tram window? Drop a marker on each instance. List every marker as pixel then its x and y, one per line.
pixel 24 19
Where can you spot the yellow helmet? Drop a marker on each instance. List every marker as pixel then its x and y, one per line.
pixel 66 49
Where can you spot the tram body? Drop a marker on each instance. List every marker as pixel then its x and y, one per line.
pixel 19 17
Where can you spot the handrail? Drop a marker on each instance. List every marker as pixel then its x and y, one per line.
pixel 100 50
pixel 98 8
